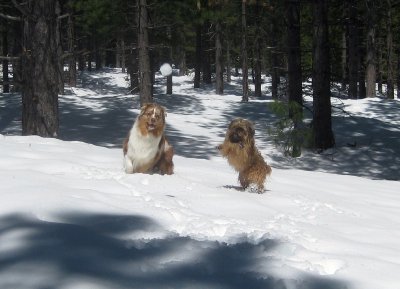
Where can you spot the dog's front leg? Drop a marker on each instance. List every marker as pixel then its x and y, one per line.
pixel 128 165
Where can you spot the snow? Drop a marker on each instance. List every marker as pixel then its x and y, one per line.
pixel 71 218
pixel 166 69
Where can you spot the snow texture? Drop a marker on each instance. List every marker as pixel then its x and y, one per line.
pixel 70 218
pixel 166 69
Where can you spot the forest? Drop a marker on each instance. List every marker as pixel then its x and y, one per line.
pixel 348 46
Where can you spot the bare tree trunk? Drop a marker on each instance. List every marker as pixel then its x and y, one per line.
pixel 6 85
pixel 257 69
pixel 118 52
pixel 353 50
pixel 17 64
pixel 322 122
pixel 181 52
pixel 371 58
pixel 245 81
pixel 206 51
pixel 228 62
pixel 219 66
pixel 294 69
pixel 133 69
pixel 71 48
pixel 398 74
pixel 40 63
pixel 362 92
pixel 390 56
pixel 275 78
pixel 145 86
pixel 344 48
pixel 123 55
pixel 197 67
pixel 257 53
pixel 60 72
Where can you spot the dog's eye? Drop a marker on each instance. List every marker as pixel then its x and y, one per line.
pixel 239 130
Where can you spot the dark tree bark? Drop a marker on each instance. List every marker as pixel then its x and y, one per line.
pixel 390 54
pixel 6 85
pixel 322 122
pixel 353 61
pixel 294 54
pixel 245 81
pixel 371 58
pixel 219 68
pixel 145 86
pixel 133 69
pixel 60 73
pixel 294 69
pixel 40 63
pixel 17 64
pixel 206 52
pixel 123 55
pixel 344 61
pixel 197 65
pixel 257 52
pixel 228 62
pixel 362 92
pixel 71 48
pixel 275 78
pixel 398 74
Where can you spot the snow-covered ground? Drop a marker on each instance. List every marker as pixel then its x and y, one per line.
pixel 71 218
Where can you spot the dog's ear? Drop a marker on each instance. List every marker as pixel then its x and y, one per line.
pixel 143 108
pixel 252 129
pixel 164 111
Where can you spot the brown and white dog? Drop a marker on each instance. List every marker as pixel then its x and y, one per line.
pixel 240 150
pixel 146 149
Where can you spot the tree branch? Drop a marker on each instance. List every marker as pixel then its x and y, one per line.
pixel 9 58
pixel 20 8
pixel 9 17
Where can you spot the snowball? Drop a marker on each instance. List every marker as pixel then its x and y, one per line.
pixel 166 69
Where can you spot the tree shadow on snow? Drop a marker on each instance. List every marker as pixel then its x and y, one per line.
pixel 106 251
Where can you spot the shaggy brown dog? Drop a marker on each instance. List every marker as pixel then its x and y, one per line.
pixel 240 150
pixel 146 149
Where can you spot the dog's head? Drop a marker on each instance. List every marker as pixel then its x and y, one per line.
pixel 152 119
pixel 240 131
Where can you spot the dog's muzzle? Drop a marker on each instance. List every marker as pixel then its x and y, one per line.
pixel 235 138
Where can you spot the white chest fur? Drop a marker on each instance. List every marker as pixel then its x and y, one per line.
pixel 141 149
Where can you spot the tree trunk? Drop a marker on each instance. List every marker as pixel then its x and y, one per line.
pixel 197 65
pixel 17 64
pixel 245 80
pixel 322 123
pixel 398 74
pixel 353 50
pixel 219 68
pixel 133 69
pixel 344 48
pixel 71 48
pixel 123 55
pixel 40 70
pixel 275 78
pixel 371 58
pixel 60 72
pixel 294 69
pixel 6 85
pixel 257 52
pixel 362 92
pixel 145 86
pixel 228 62
pixel 206 50
pixel 390 56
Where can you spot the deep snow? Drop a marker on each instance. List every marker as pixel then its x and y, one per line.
pixel 71 218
